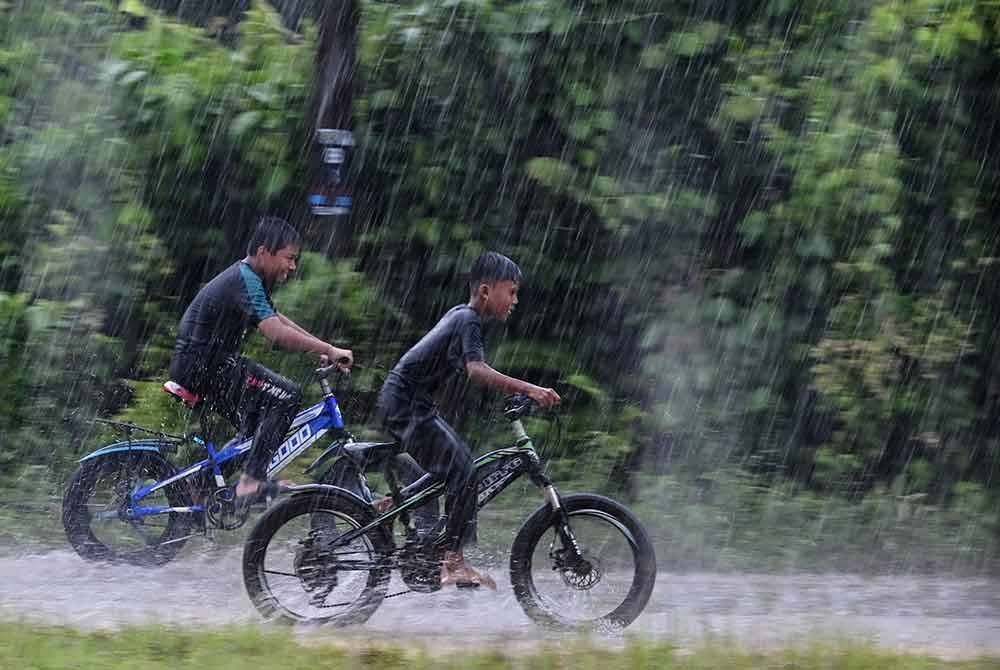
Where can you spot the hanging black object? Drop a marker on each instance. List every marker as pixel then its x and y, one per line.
pixel 330 193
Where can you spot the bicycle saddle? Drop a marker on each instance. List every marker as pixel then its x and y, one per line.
pixel 367 454
pixel 190 398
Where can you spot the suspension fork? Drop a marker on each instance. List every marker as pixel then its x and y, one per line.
pixel 570 555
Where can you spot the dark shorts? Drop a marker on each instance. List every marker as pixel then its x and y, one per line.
pixel 438 449
pixel 256 400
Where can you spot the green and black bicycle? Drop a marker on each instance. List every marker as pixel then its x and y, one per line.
pixel 325 553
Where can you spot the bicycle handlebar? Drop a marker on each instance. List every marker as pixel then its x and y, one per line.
pixel 518 406
pixel 325 371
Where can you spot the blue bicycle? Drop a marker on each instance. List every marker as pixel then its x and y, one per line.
pixel 128 502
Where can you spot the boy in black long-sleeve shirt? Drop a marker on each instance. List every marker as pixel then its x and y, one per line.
pixel 408 410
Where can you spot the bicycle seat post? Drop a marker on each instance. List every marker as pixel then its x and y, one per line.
pixel 205 440
pixel 220 481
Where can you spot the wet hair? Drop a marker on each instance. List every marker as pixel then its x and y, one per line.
pixel 273 233
pixel 492 267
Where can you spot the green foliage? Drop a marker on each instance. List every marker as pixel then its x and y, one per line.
pixel 758 241
pixel 32 647
pixel 14 334
pixel 340 305
pixel 150 407
pixel 732 519
pixel 84 254
pixel 194 106
pixel 843 286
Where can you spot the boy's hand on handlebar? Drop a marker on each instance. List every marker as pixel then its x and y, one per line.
pixel 344 358
pixel 544 397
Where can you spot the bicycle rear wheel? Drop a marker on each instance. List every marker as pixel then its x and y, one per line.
pixel 608 588
pixel 95 503
pixel 296 571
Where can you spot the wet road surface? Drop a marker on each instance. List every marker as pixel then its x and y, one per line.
pixel 203 588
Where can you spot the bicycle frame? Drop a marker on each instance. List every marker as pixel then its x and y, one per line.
pixel 511 463
pixel 307 427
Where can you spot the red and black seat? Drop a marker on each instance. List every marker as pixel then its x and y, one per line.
pixel 189 398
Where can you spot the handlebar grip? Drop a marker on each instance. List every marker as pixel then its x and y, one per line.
pixel 325 371
pixel 518 405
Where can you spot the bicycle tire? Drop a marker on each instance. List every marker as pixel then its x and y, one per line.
pixel 308 507
pixel 611 519
pixel 124 471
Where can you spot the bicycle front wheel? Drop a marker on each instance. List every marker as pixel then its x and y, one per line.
pixel 296 569
pixel 607 586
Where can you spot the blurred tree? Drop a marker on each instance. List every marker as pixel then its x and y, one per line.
pixel 84 254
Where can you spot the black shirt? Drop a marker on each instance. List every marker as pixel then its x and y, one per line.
pixel 216 321
pixel 442 353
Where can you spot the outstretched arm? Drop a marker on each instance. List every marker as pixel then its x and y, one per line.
pixel 288 322
pixel 482 374
pixel 283 332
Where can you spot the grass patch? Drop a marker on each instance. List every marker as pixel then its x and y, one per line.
pixel 31 647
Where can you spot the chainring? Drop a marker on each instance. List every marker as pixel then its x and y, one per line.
pixel 222 513
pixel 420 566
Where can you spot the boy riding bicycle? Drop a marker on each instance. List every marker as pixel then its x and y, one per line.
pixel 207 358
pixel 408 410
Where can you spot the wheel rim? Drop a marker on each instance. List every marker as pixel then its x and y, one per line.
pixel 595 590
pixel 304 579
pixel 103 513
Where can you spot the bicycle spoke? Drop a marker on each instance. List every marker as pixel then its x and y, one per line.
pixel 280 573
pixel 97 523
pixel 143 530
pixel 300 570
pixel 608 551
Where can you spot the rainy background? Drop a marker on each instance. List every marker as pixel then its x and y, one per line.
pixel 758 239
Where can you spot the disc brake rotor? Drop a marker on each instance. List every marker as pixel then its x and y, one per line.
pixel 580 574
pixel 420 568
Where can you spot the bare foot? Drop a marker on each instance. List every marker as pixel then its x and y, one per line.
pixel 455 571
pixel 383 505
pixel 248 485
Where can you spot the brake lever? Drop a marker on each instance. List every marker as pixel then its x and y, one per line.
pixel 324 371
